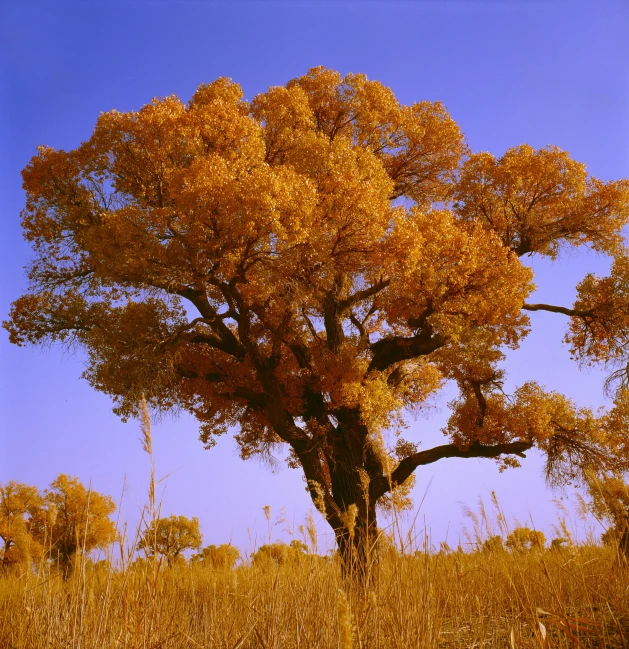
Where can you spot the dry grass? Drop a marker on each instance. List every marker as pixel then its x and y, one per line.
pixel 444 600
pixel 575 597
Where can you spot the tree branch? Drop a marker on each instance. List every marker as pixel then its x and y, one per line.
pixel 557 309
pixel 359 296
pixel 231 344
pixel 255 400
pixel 401 373
pixel 388 351
pixel 405 468
pixel 480 398
pixel 212 341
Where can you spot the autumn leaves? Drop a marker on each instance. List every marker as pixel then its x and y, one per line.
pixel 309 266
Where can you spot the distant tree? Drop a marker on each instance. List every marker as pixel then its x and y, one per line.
pixel 299 546
pixel 19 505
pixel 524 539
pixel 170 537
pixel 493 544
pixel 610 502
pixel 308 267
pixel 222 556
pixel 139 564
pixel 559 543
pixel 280 553
pixel 74 520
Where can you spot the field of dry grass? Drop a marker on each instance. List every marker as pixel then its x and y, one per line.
pixel 575 597
pixel 572 596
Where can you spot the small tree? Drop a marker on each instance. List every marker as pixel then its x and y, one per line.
pixel 524 539
pixel 493 544
pixel 74 519
pixel 610 502
pixel 280 553
pixel 19 506
pixel 170 537
pixel 221 557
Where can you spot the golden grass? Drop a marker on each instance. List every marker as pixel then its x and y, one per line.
pixel 564 598
pixel 575 597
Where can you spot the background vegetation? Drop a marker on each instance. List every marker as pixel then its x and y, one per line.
pixel 504 586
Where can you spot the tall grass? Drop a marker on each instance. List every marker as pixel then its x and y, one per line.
pixel 562 598
pixel 573 597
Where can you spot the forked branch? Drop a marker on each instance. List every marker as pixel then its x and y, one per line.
pixel 366 293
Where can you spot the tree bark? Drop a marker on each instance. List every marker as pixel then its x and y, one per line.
pixel 623 544
pixel 357 484
pixel 357 533
pixel 357 543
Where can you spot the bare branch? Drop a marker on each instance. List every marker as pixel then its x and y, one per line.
pixel 311 327
pixel 359 296
pixel 557 309
pixel 405 468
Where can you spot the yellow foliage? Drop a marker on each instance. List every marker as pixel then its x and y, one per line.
pixel 170 537
pixel 540 200
pixel 19 506
pixel 75 519
pixel 524 539
pixel 309 266
pixel 222 557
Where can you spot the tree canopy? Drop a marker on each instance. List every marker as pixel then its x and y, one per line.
pixel 170 537
pixel 524 539
pixel 57 524
pixel 280 552
pixel 76 519
pixel 309 266
pixel 220 557
pixel 19 507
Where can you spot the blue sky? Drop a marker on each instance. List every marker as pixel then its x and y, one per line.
pixel 554 72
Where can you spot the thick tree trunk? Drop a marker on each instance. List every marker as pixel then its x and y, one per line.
pixel 357 536
pixel 357 544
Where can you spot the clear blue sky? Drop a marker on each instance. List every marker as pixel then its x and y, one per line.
pixel 547 72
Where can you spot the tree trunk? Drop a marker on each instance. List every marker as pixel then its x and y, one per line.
pixel 5 551
pixel 357 536
pixel 357 544
pixel 623 544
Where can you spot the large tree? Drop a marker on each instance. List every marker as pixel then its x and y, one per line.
pixel 308 267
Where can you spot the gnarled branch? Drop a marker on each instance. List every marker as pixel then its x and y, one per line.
pixel 359 296
pixel 405 468
pixel 391 350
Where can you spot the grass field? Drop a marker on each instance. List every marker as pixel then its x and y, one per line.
pixel 574 597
